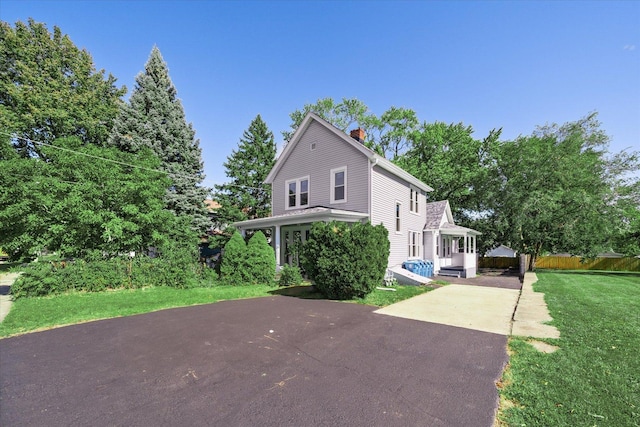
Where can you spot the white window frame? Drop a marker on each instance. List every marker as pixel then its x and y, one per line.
pixel 415 242
pixel 397 216
pixel 333 185
pixel 414 200
pixel 297 181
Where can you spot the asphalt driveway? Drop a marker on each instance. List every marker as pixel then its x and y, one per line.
pixel 277 361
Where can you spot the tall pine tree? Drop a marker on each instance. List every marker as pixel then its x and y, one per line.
pixel 155 118
pixel 246 196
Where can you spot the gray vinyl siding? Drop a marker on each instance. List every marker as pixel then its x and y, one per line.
pixel 386 190
pixel 330 153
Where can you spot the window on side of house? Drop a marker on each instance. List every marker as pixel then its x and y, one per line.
pixel 414 244
pixel 297 193
pixel 397 214
pixel 414 194
pixel 339 185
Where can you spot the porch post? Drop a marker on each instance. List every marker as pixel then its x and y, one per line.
pixel 243 233
pixel 277 244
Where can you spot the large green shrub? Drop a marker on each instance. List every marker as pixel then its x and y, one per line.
pixel 261 260
pixel 346 261
pixel 233 269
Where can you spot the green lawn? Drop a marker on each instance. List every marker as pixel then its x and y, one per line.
pixel 31 314
pixel 594 378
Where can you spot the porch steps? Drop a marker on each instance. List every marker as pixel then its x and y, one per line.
pixel 450 272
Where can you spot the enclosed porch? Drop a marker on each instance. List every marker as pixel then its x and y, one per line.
pixel 289 231
pixel 453 250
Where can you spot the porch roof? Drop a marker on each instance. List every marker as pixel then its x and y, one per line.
pixel 454 230
pixel 302 216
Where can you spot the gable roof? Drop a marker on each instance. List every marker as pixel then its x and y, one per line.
pixel 435 211
pixel 373 157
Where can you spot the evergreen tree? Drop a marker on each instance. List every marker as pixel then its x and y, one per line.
pixel 155 118
pixel 246 196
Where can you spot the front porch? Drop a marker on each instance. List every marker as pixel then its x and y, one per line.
pixel 453 250
pixel 289 231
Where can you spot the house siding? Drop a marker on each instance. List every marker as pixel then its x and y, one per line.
pixel 386 190
pixel 330 153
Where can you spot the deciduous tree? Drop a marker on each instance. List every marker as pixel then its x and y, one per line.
pixel 50 89
pixel 82 199
pixel 558 190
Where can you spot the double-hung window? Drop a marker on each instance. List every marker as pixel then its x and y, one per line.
pixel 297 193
pixel 414 244
pixel 397 213
pixel 339 185
pixel 413 200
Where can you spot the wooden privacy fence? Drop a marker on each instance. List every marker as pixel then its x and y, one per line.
pixel 498 262
pixel 574 263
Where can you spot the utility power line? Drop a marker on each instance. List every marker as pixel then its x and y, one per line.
pixel 117 161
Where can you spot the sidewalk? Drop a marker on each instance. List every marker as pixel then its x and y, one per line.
pixel 6 280
pixel 482 308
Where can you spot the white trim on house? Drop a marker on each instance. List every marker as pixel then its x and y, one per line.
pixel 298 193
pixel 370 154
pixel 397 215
pixel 333 188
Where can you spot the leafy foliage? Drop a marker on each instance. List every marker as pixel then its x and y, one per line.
pixel 261 262
pixel 290 276
pixel 234 266
pixel 41 278
pixel 457 166
pixel 155 119
pixel 557 190
pixel 346 261
pixel 387 134
pixel 77 204
pixel 50 89
pixel 246 196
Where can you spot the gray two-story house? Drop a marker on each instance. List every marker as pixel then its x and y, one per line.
pixel 324 174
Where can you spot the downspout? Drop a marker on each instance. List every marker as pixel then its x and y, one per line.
pixel 372 162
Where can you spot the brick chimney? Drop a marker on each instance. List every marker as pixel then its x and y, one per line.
pixel 358 134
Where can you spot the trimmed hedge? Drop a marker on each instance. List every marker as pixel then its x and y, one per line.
pixel 41 279
pixel 261 262
pixel 346 261
pixel 233 269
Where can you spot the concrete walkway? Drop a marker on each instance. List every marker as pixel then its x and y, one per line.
pixel 482 308
pixel 6 280
pixel 532 313
pixel 466 306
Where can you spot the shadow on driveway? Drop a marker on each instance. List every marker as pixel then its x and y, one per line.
pixel 271 361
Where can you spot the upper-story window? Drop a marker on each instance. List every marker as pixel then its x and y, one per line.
pixel 413 200
pixel 297 193
pixel 398 206
pixel 339 185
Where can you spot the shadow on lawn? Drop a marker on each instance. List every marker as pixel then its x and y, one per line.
pixel 302 292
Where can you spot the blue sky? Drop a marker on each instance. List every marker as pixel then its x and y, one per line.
pixel 511 65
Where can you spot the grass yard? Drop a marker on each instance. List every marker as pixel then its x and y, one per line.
pixel 37 313
pixel 594 378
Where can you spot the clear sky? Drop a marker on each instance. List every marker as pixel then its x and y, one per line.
pixel 511 65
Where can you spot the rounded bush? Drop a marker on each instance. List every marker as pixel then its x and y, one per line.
pixel 261 261
pixel 346 261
